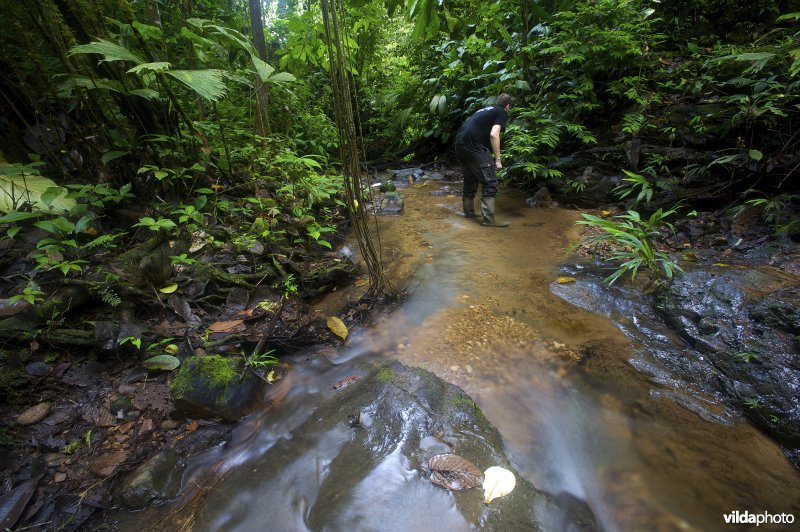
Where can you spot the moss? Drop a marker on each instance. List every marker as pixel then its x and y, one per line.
pixel 464 400
pixel 215 371
pixel 385 375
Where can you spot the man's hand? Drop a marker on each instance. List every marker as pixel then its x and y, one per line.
pixel 497 164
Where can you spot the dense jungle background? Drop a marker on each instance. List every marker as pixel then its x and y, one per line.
pixel 163 163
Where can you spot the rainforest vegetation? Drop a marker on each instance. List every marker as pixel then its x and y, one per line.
pixel 151 150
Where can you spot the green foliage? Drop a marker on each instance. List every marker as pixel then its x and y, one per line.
pixel 633 240
pixel 256 361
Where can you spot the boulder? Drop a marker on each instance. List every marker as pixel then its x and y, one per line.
pixel 366 449
pixel 157 479
pixel 214 386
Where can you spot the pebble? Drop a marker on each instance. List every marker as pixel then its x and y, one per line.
pixel 34 414
pixel 59 477
pixel 169 424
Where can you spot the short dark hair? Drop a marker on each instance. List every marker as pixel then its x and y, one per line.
pixel 505 99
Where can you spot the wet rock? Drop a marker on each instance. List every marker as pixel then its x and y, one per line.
pixel 34 414
pixel 404 414
pixel 37 369
pixel 737 326
pixel 158 479
pixel 215 386
pixel 388 203
pixel 203 438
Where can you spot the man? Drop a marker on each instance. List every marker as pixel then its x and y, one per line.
pixel 478 148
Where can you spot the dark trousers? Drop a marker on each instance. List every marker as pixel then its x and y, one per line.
pixel 478 168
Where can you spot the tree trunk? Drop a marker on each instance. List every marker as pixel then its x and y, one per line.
pixel 262 95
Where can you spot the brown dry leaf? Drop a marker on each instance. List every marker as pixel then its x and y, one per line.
pixel 191 427
pixel 98 416
pixel 338 327
pixel 454 472
pixel 362 282
pixel 227 326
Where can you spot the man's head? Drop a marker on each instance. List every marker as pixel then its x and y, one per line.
pixel 505 101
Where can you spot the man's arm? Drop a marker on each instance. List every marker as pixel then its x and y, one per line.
pixel 494 138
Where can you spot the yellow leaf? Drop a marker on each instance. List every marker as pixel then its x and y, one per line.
pixel 565 280
pixel 497 482
pixel 337 327
pixel 169 289
pixel 272 376
pixel 171 349
pixel 721 264
pixel 605 213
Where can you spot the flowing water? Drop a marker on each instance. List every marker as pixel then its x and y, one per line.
pixel 557 381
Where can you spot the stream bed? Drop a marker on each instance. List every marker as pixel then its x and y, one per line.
pixel 578 421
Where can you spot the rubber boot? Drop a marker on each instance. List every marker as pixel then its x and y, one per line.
pixel 469 207
pixel 487 209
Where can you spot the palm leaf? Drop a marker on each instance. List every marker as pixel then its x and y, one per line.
pixel 207 83
pixel 109 50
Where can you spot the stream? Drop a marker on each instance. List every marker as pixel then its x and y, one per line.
pixel 577 419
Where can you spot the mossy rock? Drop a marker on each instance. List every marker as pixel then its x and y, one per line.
pixel 215 386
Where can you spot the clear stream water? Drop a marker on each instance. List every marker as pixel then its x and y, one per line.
pixel 557 382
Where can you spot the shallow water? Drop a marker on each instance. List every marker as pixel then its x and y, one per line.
pixel 557 382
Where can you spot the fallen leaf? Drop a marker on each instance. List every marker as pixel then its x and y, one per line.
pixel 273 376
pixel 362 282
pixel 721 264
pixel 169 289
pixel 337 327
pixel 13 503
pixel 191 427
pixel 565 280
pixel 497 482
pixel 227 326
pixel 164 362
pixel 347 381
pixel 454 472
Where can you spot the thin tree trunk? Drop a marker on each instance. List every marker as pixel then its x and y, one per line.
pixel 262 95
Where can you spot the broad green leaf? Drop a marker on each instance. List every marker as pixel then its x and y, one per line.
pixel 263 69
pixel 109 50
pixel 337 327
pixel 756 155
pixel 148 32
pixel 158 66
pixel 497 482
pixel 111 155
pixel 207 83
pixel 282 77
pixel 162 362
pixel 147 94
pixel 17 189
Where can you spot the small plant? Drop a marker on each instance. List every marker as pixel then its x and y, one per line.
pixel 30 293
pixel 260 360
pixel 635 236
pixel 162 224
pixel 183 258
pixel 747 357
pixel 632 182
pixel 751 403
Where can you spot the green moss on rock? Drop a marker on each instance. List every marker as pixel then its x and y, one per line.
pixel 213 371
